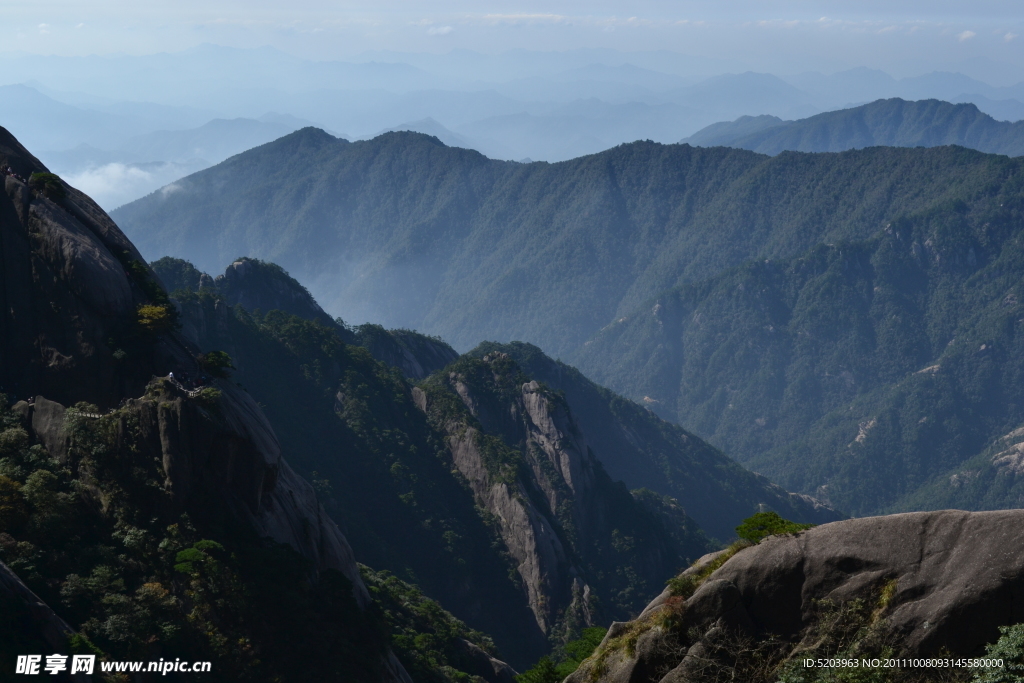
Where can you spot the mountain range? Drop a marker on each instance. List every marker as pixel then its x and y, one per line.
pixel 784 307
pixel 521 104
pixel 490 415
pixel 406 232
pixel 894 123
pixel 216 468
pixel 175 458
pixel 860 371
pixel 121 151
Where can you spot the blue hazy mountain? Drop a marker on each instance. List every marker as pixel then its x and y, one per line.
pixel 892 122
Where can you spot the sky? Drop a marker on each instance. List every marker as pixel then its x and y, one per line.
pixel 984 38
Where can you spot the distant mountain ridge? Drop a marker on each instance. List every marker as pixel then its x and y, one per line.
pixel 893 122
pixel 406 232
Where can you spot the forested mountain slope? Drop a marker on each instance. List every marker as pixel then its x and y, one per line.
pixel 858 371
pixel 893 122
pixel 149 519
pixel 259 287
pixel 406 232
pixel 526 536
pixel 445 496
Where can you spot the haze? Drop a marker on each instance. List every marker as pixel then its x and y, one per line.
pixel 125 97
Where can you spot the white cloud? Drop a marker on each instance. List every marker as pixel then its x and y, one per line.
pixel 114 184
pixel 44 29
pixel 1009 36
pixel 966 35
pixel 107 180
pixel 439 30
pixel 168 190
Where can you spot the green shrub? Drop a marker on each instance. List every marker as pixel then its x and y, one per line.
pixel 209 398
pixel 155 319
pixel 544 671
pixel 49 184
pixel 216 363
pixel 13 509
pixel 686 585
pixel 564 660
pixel 764 524
pixel 1009 648
pixel 190 560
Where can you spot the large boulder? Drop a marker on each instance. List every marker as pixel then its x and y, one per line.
pixel 956 575
pixel 70 287
pixel 926 582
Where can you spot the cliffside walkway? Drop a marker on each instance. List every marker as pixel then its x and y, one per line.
pixel 191 393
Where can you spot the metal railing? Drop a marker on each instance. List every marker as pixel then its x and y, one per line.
pixel 191 393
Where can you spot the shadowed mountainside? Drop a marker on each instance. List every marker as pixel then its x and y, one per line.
pixel 197 481
pixel 583 549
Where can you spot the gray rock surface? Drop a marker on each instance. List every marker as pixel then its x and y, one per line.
pixel 476 662
pixel 63 292
pixel 558 513
pixel 541 560
pixel 957 575
pixel 955 578
pixel 643 451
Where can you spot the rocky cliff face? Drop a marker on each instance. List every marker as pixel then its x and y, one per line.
pixel 38 628
pixel 68 293
pixel 569 528
pixel 83 320
pixel 644 451
pixel 232 461
pixel 913 585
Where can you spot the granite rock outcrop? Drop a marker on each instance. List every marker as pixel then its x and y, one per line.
pixel 569 529
pixel 921 584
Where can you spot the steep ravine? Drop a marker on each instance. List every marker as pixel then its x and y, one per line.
pixel 577 538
